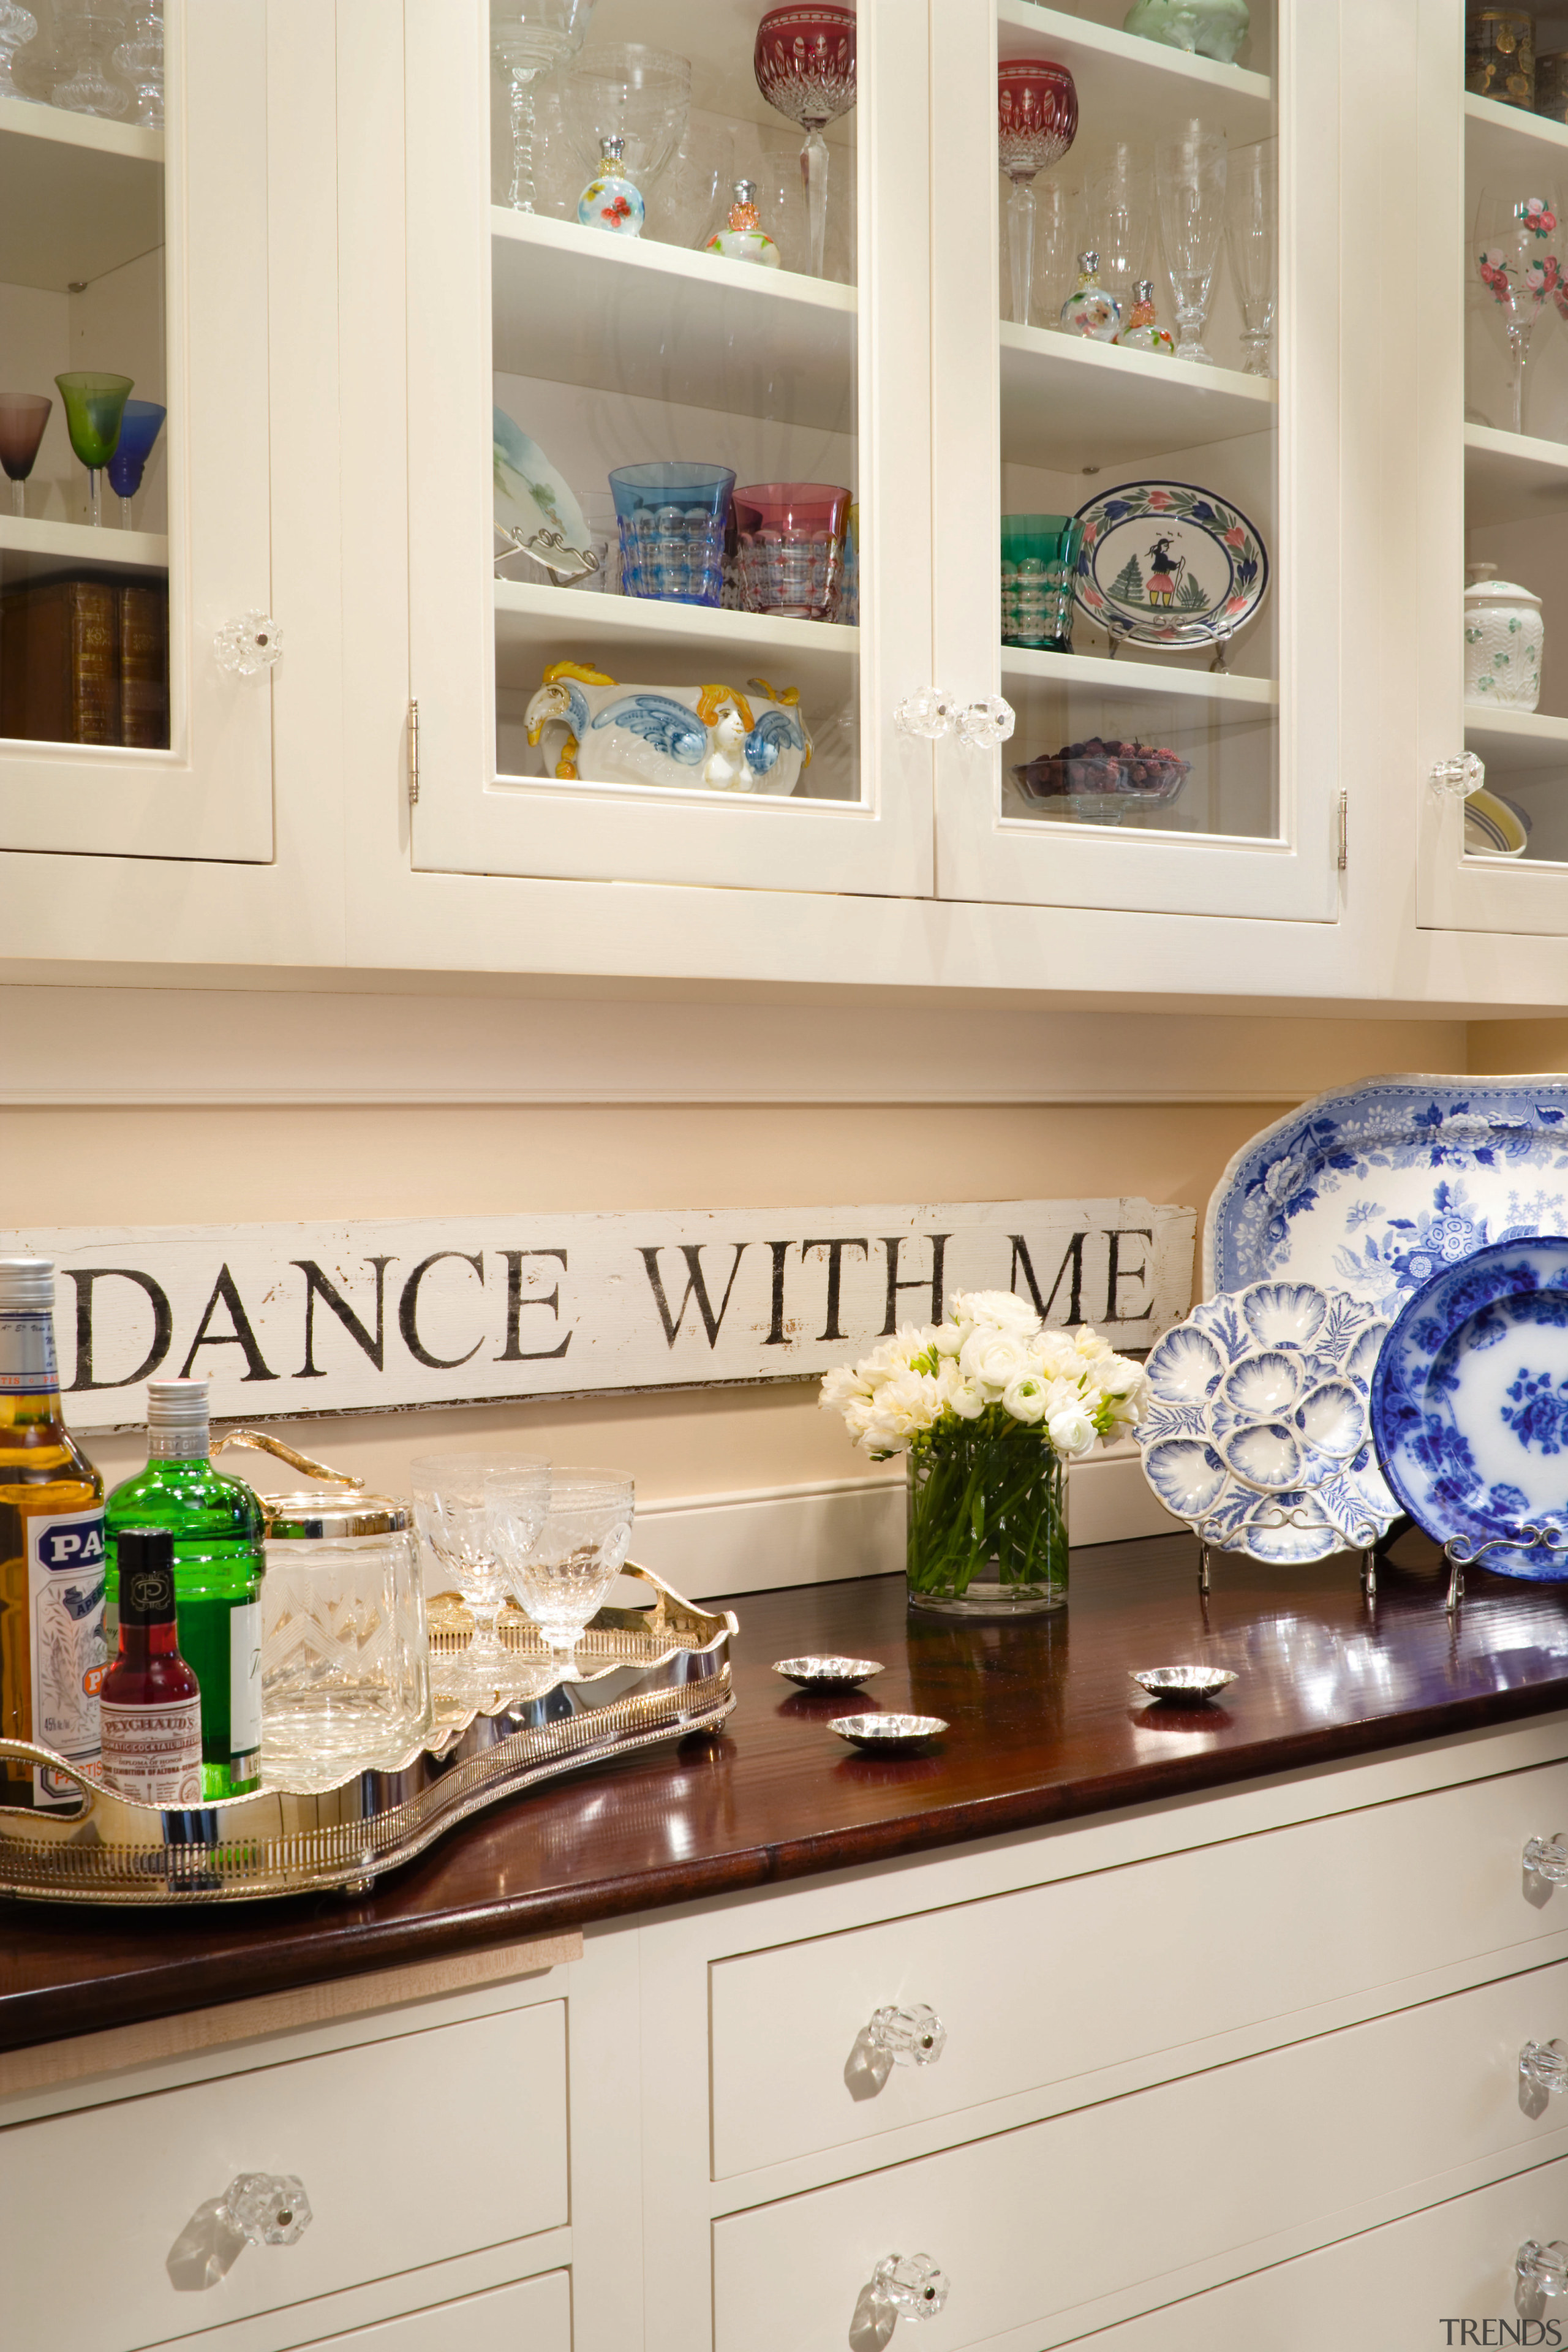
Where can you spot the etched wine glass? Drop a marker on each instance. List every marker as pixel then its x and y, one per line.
pixel 626 90
pixel 22 416
pixel 1190 185
pixel 1120 228
pixel 529 37
pixel 517 1496
pixel 95 404
pixel 1518 250
pixel 139 429
pixel 576 1557
pixel 1252 240
pixel 452 1513
pixel 804 65
pixel 1036 122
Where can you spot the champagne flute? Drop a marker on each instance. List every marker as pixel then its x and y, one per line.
pixel 1252 240
pixel 1518 250
pixel 1190 184
pixel 95 405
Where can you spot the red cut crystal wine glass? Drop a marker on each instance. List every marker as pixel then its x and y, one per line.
pixel 805 62
pixel 1036 121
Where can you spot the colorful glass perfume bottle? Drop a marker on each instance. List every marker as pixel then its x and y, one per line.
pixel 745 238
pixel 611 201
pixel 1090 310
pixel 1143 332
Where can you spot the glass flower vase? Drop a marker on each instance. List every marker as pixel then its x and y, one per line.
pixel 987 1521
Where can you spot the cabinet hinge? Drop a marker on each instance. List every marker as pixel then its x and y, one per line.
pixel 414 756
pixel 1344 831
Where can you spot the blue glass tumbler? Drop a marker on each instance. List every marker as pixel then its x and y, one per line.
pixel 673 517
pixel 140 426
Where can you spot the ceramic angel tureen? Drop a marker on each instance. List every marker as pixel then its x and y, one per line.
pixel 1210 29
pixel 688 737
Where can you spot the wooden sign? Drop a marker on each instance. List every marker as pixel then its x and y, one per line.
pixel 355 1318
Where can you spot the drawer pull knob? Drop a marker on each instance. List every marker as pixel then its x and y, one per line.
pixel 910 2037
pixel 1546 2063
pixel 1546 2268
pixel 1548 1859
pixel 266 2208
pixel 910 2285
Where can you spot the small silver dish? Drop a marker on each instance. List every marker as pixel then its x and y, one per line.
pixel 1185 1681
pixel 824 1673
pixel 884 1733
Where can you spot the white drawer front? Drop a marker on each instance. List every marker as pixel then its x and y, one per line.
pixel 1390 2290
pixel 410 2151
pixel 1059 1980
pixel 1035 2223
pixel 533 2316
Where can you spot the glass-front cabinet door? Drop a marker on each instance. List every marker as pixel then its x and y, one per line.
pixel 134 428
pixel 1136 327
pixel 670 439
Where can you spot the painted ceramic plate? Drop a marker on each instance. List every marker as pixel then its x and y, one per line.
pixel 1255 1431
pixel 1469 1402
pixel 1376 1187
pixel 1168 566
pixel 535 507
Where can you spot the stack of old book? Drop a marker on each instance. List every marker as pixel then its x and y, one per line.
pixel 86 661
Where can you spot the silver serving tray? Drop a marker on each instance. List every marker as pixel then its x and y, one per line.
pixel 646 1675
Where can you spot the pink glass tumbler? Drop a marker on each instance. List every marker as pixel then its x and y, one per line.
pixel 790 546
pixel 1036 122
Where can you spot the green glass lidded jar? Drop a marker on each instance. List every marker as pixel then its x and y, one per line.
pixel 987 1521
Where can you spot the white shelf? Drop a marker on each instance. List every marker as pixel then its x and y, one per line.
pixel 1504 138
pixel 1023 666
pixel 34 549
pixel 1068 403
pixel 79 197
pixel 616 314
pixel 1517 742
pixel 1512 477
pixel 644 643
pixel 1131 89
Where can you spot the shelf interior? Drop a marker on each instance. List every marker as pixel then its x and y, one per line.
pixel 1133 89
pixel 1068 403
pixel 77 197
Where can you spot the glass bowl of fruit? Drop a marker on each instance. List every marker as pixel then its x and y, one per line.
pixel 1099 781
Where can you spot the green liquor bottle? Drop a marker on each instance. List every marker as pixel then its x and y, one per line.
pixel 215 1524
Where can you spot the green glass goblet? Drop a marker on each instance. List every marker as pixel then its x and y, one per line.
pixel 94 406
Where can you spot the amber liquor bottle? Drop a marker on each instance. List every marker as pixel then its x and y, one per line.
pixel 51 1553
pixel 150 1704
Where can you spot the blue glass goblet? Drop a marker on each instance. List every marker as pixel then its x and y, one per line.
pixel 140 426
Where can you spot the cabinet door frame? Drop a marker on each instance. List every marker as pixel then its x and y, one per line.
pixel 980 854
pixel 468 821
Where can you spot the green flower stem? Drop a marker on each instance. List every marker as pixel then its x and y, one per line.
pixel 987 1499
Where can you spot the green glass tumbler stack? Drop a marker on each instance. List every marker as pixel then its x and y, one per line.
pixel 95 405
pixel 1039 559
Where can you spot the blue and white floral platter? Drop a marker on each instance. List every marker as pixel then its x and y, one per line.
pixel 1255 1431
pixel 1378 1187
pixel 1469 1402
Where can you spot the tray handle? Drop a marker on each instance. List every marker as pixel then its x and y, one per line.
pixel 259 1443
pixel 52 1826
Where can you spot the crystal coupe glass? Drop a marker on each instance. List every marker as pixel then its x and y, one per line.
pixel 1036 122
pixel 95 405
pixel 529 37
pixel 452 1513
pixel 1190 188
pixel 1519 247
pixel 804 65
pixel 22 416
pixel 577 1555
pixel 139 428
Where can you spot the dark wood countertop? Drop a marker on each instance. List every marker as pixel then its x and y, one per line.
pixel 1044 1727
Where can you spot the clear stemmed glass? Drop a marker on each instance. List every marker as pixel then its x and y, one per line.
pixel 1118 201
pixel 625 90
pixel 95 405
pixel 529 37
pixel 87 27
pixel 139 428
pixel 1190 186
pixel 139 61
pixel 1058 240
pixel 517 1498
pixel 1251 236
pixel 451 1512
pixel 805 63
pixel 576 1557
pixel 1519 247
pixel 1036 122
pixel 22 416
pixel 18 27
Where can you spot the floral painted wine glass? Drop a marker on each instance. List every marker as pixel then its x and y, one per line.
pixel 22 416
pixel 1190 180
pixel 529 37
pixel 1036 122
pixel 804 65
pixel 1518 249
pixel 139 428
pixel 94 406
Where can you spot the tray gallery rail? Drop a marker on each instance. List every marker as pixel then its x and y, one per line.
pixel 642 1676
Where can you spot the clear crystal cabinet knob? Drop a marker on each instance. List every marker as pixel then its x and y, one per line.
pixel 270 2209
pixel 1546 2268
pixel 910 2285
pixel 983 725
pixel 252 642
pixel 910 2037
pixel 1547 1858
pixel 1546 2063
pixel 930 714
pixel 1458 779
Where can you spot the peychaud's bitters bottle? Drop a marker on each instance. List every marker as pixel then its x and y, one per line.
pixel 51 1552
pixel 216 1524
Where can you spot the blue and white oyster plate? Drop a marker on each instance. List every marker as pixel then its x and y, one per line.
pixel 1470 1403
pixel 1378 1187
pixel 1255 1429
